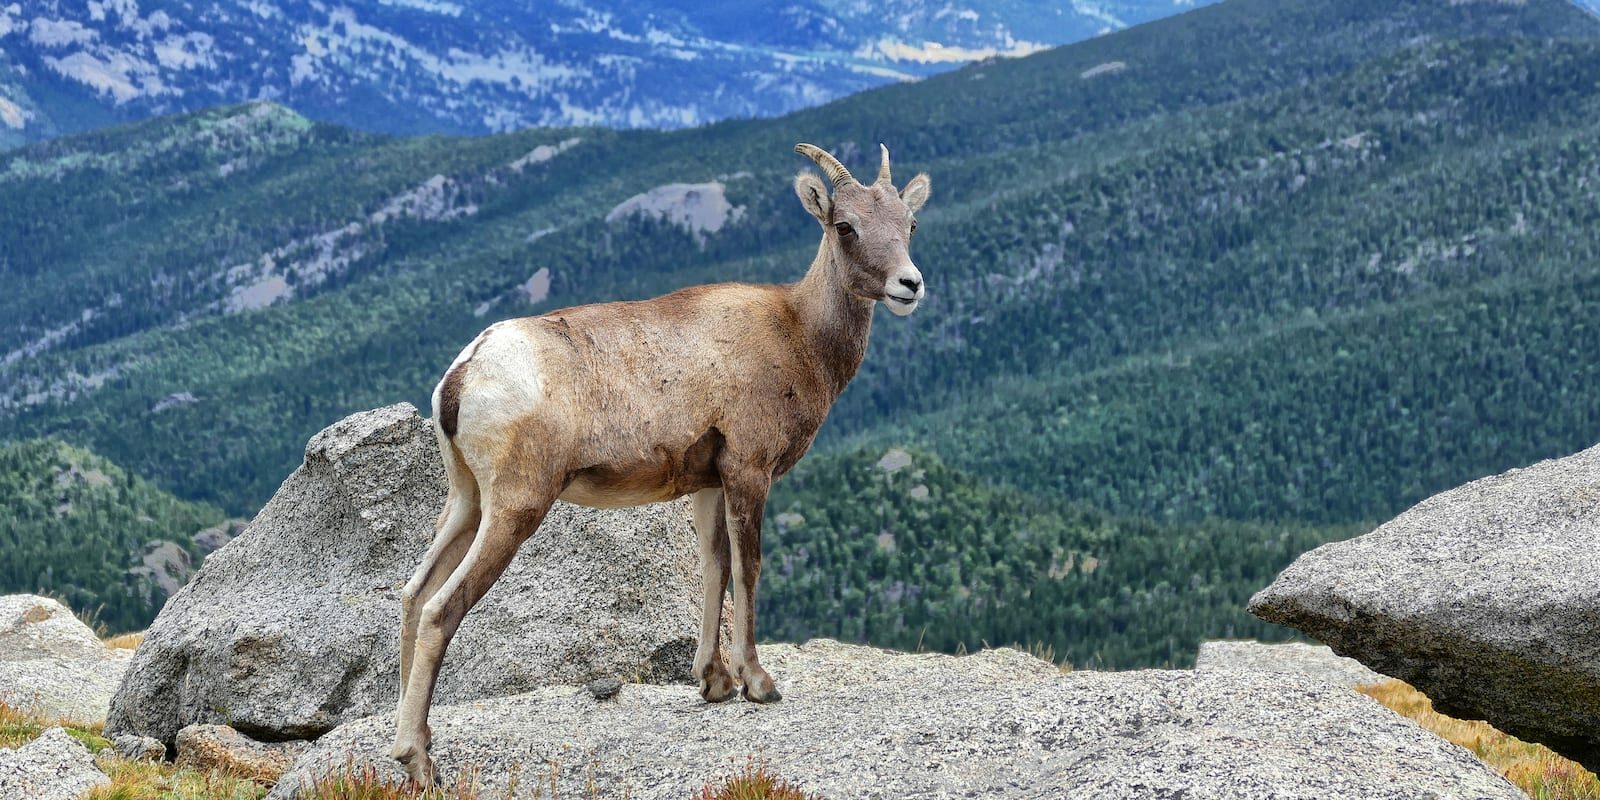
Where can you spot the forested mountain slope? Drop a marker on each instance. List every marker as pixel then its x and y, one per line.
pixel 1268 267
pixel 904 551
pixel 76 526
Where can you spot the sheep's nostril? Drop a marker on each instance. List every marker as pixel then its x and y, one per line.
pixel 913 285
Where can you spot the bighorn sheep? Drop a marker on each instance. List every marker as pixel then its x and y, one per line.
pixel 713 391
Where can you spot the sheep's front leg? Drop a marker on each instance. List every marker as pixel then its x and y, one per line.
pixel 745 495
pixel 710 526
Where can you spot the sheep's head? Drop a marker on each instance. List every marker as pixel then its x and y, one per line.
pixel 868 227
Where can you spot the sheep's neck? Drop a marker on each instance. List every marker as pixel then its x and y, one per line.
pixel 836 322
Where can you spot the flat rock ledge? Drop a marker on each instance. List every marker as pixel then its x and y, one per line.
pixel 1313 661
pixel 857 722
pixel 52 664
pixel 1485 597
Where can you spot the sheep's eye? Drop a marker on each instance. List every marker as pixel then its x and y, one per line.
pixel 844 229
pixel 913 226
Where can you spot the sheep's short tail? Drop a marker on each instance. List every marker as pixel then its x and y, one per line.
pixel 448 410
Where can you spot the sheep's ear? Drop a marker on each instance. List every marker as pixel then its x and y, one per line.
pixel 813 195
pixel 916 192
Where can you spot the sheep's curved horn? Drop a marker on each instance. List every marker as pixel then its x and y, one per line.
pixel 883 166
pixel 829 164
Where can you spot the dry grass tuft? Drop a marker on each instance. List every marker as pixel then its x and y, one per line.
pixel 1533 768
pixel 753 783
pixel 127 641
pixel 143 780
pixel 1047 652
pixel 364 783
pixel 18 727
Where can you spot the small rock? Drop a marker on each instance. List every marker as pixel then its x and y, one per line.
pixel 894 460
pixel 165 568
pixel 173 401
pixel 604 688
pixel 54 766
pixel 206 747
pixel 139 748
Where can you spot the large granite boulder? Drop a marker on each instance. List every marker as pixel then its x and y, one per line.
pixel 1485 597
pixel 861 723
pixel 293 627
pixel 54 766
pixel 53 665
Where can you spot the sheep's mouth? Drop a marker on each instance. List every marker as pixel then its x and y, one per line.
pixel 905 301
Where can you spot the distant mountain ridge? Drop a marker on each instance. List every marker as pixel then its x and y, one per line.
pixel 444 66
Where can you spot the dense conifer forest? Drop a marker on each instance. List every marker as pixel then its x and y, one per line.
pixel 72 524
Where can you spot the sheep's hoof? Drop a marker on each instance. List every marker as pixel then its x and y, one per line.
pixel 419 767
pixel 759 688
pixel 770 696
pixel 423 775
pixel 717 687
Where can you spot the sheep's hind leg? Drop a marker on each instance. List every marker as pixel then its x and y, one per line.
pixel 452 541
pixel 711 528
pixel 453 535
pixel 504 527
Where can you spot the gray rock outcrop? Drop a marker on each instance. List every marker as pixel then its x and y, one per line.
pixel 54 766
pixel 164 568
pixel 1317 662
pixel 1485 597
pixel 862 723
pixel 51 664
pixel 212 539
pixel 293 627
